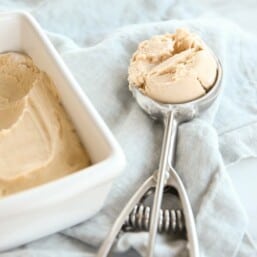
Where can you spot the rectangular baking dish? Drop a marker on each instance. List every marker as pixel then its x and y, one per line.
pixel 54 206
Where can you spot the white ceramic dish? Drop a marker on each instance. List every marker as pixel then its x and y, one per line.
pixel 43 210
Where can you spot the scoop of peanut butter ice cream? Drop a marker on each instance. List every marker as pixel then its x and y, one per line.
pixel 173 68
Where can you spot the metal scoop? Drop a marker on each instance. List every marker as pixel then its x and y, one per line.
pixel 166 176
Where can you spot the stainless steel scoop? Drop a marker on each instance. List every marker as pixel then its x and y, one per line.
pixel 172 115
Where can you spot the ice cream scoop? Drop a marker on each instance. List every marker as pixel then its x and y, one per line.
pixel 172 112
pixel 173 115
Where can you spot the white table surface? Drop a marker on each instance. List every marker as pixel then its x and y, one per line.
pixel 244 177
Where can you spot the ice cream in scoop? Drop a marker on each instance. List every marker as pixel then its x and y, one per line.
pixel 173 68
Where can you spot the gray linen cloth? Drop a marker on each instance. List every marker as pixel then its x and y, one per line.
pixel 106 35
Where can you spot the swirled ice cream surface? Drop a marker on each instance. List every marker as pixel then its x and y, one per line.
pixel 38 142
pixel 173 68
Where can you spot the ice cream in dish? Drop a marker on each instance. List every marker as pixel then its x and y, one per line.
pixel 38 142
pixel 173 68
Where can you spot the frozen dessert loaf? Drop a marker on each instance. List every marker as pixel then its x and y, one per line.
pixel 38 142
pixel 173 68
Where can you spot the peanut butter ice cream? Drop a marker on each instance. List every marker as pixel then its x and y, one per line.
pixel 38 142
pixel 173 68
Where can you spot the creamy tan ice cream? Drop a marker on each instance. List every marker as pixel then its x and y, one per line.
pixel 173 68
pixel 38 143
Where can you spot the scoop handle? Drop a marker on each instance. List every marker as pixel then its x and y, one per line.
pixel 116 228
pixel 167 159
